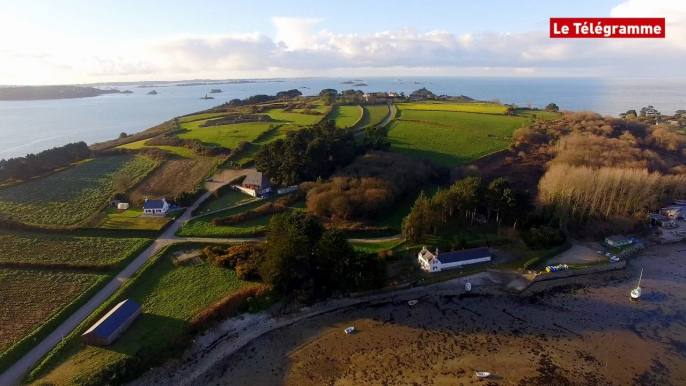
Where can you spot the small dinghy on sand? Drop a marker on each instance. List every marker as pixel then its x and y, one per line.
pixel 349 330
pixel 468 287
pixel 483 374
pixel 412 302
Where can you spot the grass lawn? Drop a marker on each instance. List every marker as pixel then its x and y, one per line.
pixel 29 298
pixel 226 199
pixel 49 249
pixel 497 125
pixel 170 297
pixel 345 116
pixel 442 145
pixel 201 117
pixel 226 135
pixel 373 115
pixel 70 196
pixel 137 223
pixel 468 107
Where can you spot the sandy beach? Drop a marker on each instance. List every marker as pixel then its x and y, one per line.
pixel 584 331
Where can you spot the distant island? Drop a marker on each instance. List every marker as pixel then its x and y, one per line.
pixel 216 91
pixel 348 82
pixel 153 92
pixel 127 92
pixel 27 93
pixel 206 97
pixel 213 83
pixel 360 84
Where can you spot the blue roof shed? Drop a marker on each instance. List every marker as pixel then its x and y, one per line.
pixel 110 326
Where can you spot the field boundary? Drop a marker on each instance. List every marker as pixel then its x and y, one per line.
pixel 362 113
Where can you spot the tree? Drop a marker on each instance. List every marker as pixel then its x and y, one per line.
pixel 376 138
pixel 123 135
pixel 552 107
pixel 121 182
pixel 649 111
pixel 630 114
pixel 417 223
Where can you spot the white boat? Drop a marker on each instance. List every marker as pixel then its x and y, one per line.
pixel 412 302
pixel 483 374
pixel 349 330
pixel 636 292
pixel 468 287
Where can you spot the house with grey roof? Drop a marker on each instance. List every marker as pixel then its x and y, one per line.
pixel 113 324
pixel 433 262
pixel 256 184
pixel 155 206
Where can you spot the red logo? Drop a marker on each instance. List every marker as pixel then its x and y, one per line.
pixel 607 27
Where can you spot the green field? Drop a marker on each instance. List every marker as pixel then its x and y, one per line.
pixel 203 227
pixel 296 117
pixel 373 115
pixel 497 125
pixel 467 107
pixel 345 116
pixel 375 247
pixel 70 196
pixel 226 135
pixel 539 114
pixel 134 223
pixel 180 151
pixel 225 200
pixel 170 297
pixel 29 298
pixel 44 249
pixel 442 145
pixel 201 117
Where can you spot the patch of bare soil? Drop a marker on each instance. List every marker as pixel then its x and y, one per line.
pixel 172 177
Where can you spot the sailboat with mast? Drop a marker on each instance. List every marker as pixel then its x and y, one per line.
pixel 636 292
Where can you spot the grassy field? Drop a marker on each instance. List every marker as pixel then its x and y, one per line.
pixel 497 125
pixel 468 107
pixel 180 151
pixel 373 115
pixel 68 197
pixel 201 117
pixel 48 249
pixel 226 199
pixel 203 227
pixel 226 135
pixel 375 247
pixel 172 177
pixel 345 116
pixel 295 117
pixel 136 223
pixel 540 114
pixel 170 296
pixel 442 145
pixel 29 298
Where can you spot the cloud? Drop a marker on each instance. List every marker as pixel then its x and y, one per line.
pixel 298 48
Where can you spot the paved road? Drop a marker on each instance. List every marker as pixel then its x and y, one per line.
pixel 391 115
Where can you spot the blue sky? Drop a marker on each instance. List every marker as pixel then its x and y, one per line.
pixel 91 41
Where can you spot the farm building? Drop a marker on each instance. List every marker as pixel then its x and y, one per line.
pixel 431 262
pixel 113 324
pixel 123 205
pixel 256 184
pixel 155 206
pixel 617 241
pixel 674 212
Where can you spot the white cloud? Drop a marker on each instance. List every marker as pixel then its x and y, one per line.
pixel 299 50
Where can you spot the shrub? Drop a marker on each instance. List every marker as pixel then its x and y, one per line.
pixel 543 237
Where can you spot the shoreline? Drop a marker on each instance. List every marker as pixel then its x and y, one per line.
pixel 225 348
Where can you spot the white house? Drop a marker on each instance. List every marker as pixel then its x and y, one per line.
pixel 255 184
pixel 431 262
pixel 155 206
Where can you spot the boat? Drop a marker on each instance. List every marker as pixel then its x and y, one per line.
pixel 349 330
pixel 412 302
pixel 483 374
pixel 216 90
pixel 468 287
pixel 636 292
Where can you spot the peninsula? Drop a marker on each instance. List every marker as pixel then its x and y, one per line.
pixel 27 93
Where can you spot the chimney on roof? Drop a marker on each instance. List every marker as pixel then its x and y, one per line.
pixel 436 254
pixel 146 198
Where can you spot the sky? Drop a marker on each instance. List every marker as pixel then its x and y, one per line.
pixel 77 41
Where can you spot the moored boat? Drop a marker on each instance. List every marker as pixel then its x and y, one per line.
pixel 483 374
pixel 349 330
pixel 412 302
pixel 636 292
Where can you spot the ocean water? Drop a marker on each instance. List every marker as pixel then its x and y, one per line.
pixel 32 126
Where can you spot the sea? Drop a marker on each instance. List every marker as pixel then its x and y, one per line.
pixel 32 126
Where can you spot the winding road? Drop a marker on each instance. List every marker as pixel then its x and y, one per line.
pixel 13 374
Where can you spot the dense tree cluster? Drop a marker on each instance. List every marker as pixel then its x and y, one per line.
pixel 376 138
pixel 262 98
pixel 307 154
pixel 369 186
pixel 304 258
pixel 22 168
pixel 460 203
pixel 244 258
pixel 543 237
